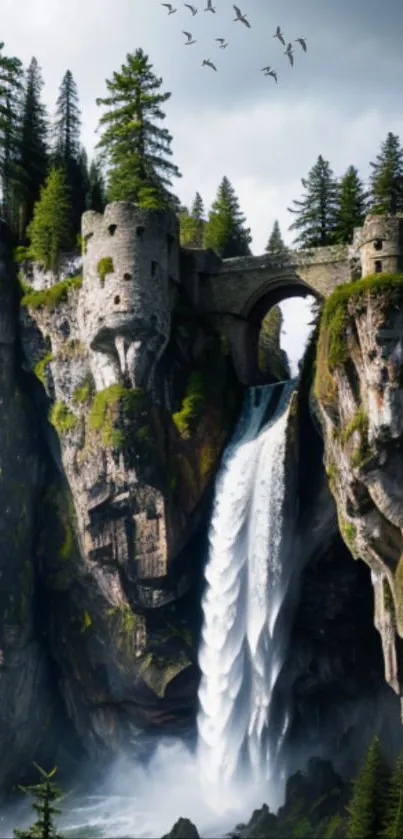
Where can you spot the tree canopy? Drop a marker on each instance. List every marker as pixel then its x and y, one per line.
pixel 226 232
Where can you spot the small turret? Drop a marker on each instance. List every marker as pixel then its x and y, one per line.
pixel 380 244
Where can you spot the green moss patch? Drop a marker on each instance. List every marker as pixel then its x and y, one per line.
pixel 104 267
pixel 40 367
pixel 112 411
pixel 192 406
pixel 333 346
pixel 49 298
pixel 84 391
pixel 62 418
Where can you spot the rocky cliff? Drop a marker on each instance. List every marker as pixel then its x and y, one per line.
pixel 359 389
pixel 108 454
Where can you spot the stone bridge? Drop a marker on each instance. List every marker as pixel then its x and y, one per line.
pixel 235 294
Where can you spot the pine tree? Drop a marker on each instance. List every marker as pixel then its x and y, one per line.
pixel 11 73
pixel 387 177
pixel 316 212
pixel 67 122
pixel 192 224
pixel 352 206
pixel 67 150
pixel 367 804
pixel 33 152
pixel 44 793
pixel 393 824
pixel 275 244
pixel 134 146
pixel 96 197
pixel 49 231
pixel 225 231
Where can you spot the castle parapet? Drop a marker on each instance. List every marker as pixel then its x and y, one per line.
pixel 380 244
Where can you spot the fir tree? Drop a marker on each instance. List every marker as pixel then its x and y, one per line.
pixel 11 73
pixel 44 794
pixel 192 224
pixel 96 196
pixel 33 151
pixel 67 122
pixel 316 212
pixel 387 177
pixel 225 231
pixel 393 824
pixel 352 206
pixel 367 804
pixel 135 147
pixel 275 244
pixel 67 150
pixel 49 231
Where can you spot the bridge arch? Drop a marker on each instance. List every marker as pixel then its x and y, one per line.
pixel 243 330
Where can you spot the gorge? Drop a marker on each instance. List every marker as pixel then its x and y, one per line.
pixel 121 392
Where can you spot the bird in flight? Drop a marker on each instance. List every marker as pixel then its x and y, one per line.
pixel 210 7
pixel 288 53
pixel 192 8
pixel 208 63
pixel 223 43
pixel 189 39
pixel 301 41
pixel 272 73
pixel 266 69
pixel 278 34
pixel 170 8
pixel 241 17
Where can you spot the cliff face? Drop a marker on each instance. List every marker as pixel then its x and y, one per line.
pixel 140 399
pixel 359 387
pixel 26 702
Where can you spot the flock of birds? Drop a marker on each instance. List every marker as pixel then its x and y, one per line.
pixel 240 17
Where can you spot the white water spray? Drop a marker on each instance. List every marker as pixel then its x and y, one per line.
pixel 240 655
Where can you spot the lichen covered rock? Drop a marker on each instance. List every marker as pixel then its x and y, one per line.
pixel 359 388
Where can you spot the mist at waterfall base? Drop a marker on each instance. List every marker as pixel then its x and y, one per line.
pixel 233 767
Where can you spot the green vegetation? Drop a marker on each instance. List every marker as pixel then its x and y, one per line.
pixel 44 793
pixel 192 406
pixel 316 212
pixel 87 621
pixel 127 625
pixel 84 392
pixel 225 231
pixel 387 177
pixel 49 231
pixel 112 411
pixel 348 531
pixel 40 367
pixel 275 245
pixel 366 808
pixel 192 225
pixel 333 346
pixel 49 298
pixel 352 206
pixel 136 148
pixel 33 151
pixel 104 267
pixel 62 418
pixel 359 422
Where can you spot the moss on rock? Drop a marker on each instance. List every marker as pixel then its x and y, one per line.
pixel 112 411
pixel 192 406
pixel 49 298
pixel 40 367
pixel 62 418
pixel 105 267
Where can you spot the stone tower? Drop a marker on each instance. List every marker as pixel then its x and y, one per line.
pixel 126 312
pixel 380 244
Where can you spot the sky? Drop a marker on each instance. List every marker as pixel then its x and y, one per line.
pixel 339 100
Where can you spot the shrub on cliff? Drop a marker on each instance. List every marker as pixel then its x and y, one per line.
pixel 49 231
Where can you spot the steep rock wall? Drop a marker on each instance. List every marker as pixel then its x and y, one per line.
pixel 359 381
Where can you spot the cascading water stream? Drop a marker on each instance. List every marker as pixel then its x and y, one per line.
pixel 241 654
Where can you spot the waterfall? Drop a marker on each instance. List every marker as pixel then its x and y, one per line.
pixel 241 654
